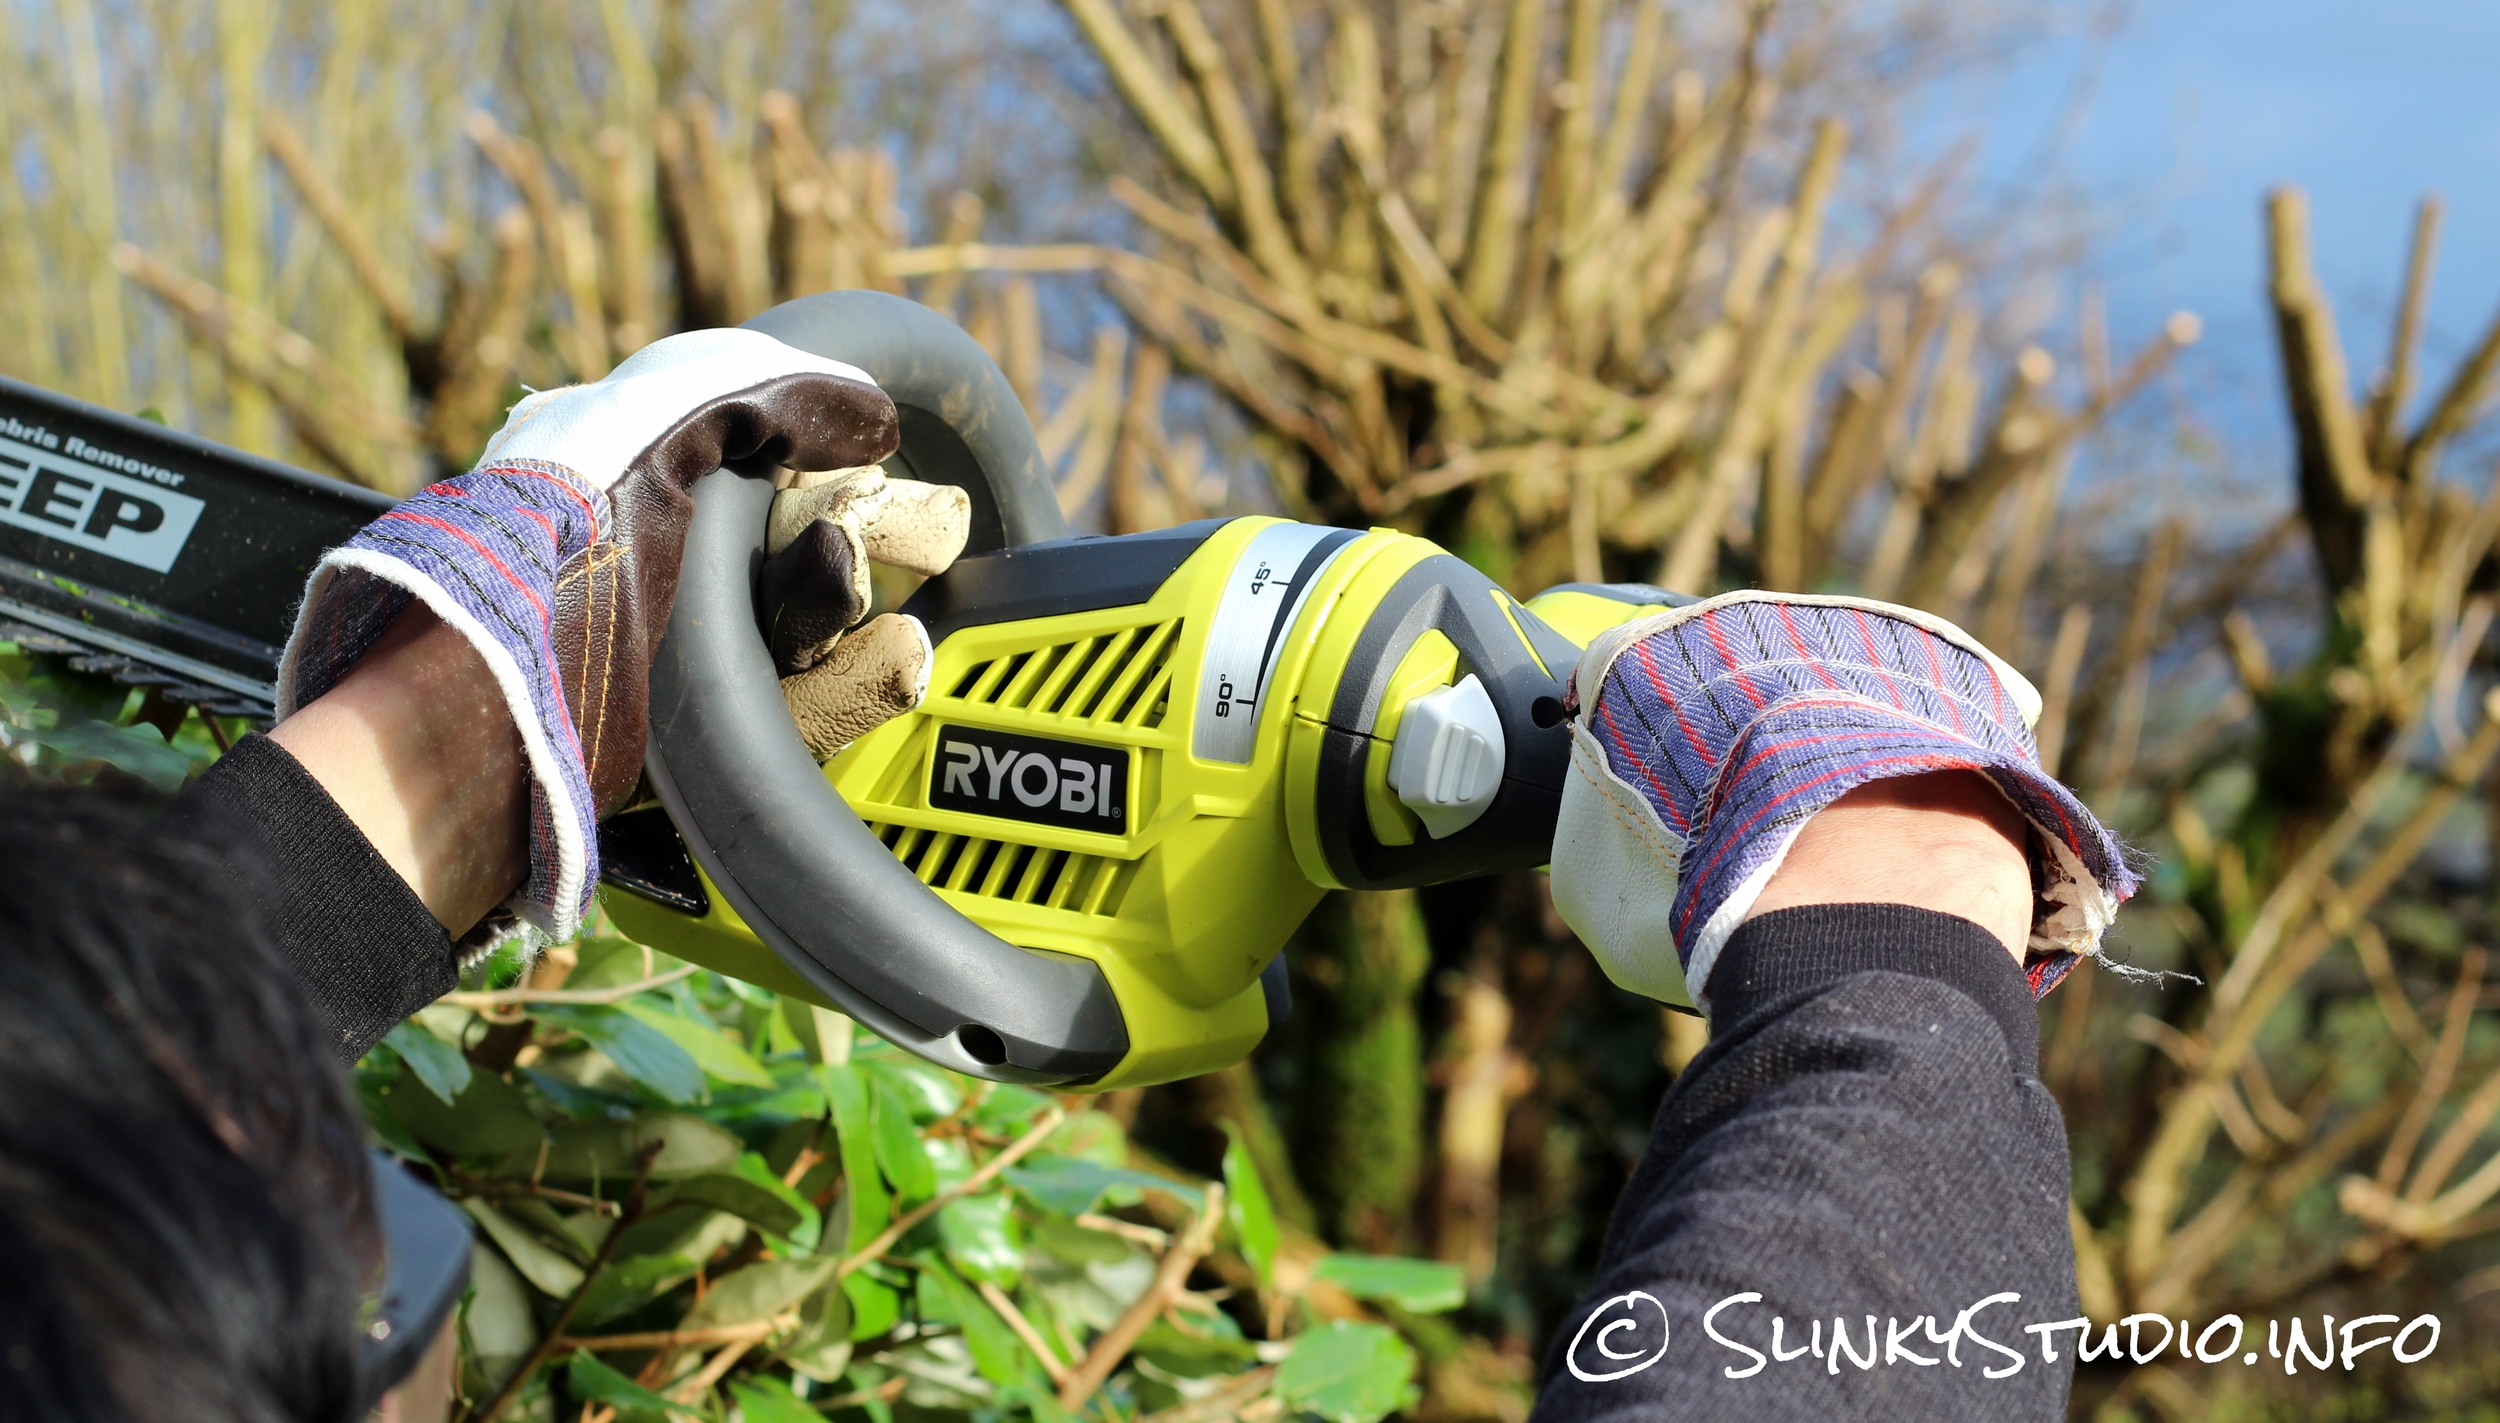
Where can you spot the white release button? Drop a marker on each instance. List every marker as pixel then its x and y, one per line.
pixel 1446 763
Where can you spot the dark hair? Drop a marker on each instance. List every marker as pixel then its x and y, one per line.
pixel 186 1220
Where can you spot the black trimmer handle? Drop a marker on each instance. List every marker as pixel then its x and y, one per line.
pixel 774 836
pixel 962 423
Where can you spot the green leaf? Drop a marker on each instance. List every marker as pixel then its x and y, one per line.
pixel 489 1121
pixel 1008 1109
pixel 696 1232
pixel 1246 1207
pixel 134 750
pixel 932 1300
pixel 948 1158
pixel 544 1266
pixel 497 1326
pixel 572 1098
pixel 815 1137
pixel 1347 1373
pixel 436 1063
pixel 979 1234
pixel 798 1022
pixel 847 1092
pixel 711 1050
pixel 642 1052
pixel 777 1039
pixel 929 1093
pixel 996 1351
pixel 383 1122
pixel 875 1305
pixel 606 961
pixel 603 1150
pixel 741 1198
pixel 1197 1352
pixel 806 1234
pixel 796 1101
pixel 821 1350
pixel 760 1291
pixel 1062 1240
pixel 1091 1136
pixel 627 1285
pixel 898 1144
pixel 1070 1186
pixel 534 1214
pixel 1043 1401
pixel 1422 1286
pixel 590 1381
pixel 769 1400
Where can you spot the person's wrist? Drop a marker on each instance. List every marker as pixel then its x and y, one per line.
pixel 1948 841
pixel 418 747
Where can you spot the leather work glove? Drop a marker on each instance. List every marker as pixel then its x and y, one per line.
pixel 1704 738
pixel 826 528
pixel 557 558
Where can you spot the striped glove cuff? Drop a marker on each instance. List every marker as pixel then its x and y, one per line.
pixel 1707 736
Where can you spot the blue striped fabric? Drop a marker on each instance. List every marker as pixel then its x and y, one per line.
pixel 483 551
pixel 1741 719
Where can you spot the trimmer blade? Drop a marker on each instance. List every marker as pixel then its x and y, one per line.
pixel 154 557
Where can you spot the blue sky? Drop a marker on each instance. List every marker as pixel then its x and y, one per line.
pixel 2197 107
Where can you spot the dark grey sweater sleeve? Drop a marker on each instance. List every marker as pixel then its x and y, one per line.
pixel 360 940
pixel 1864 1154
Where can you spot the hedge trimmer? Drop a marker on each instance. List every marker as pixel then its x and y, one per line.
pixel 1141 762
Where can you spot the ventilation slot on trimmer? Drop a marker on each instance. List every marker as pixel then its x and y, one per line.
pixel 1116 678
pixel 1020 874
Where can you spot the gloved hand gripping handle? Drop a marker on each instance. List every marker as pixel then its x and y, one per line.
pixel 774 836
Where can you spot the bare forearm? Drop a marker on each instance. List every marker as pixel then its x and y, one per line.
pixel 1948 841
pixel 418 748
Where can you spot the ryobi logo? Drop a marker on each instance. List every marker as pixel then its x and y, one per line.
pixel 72 496
pixel 1030 778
